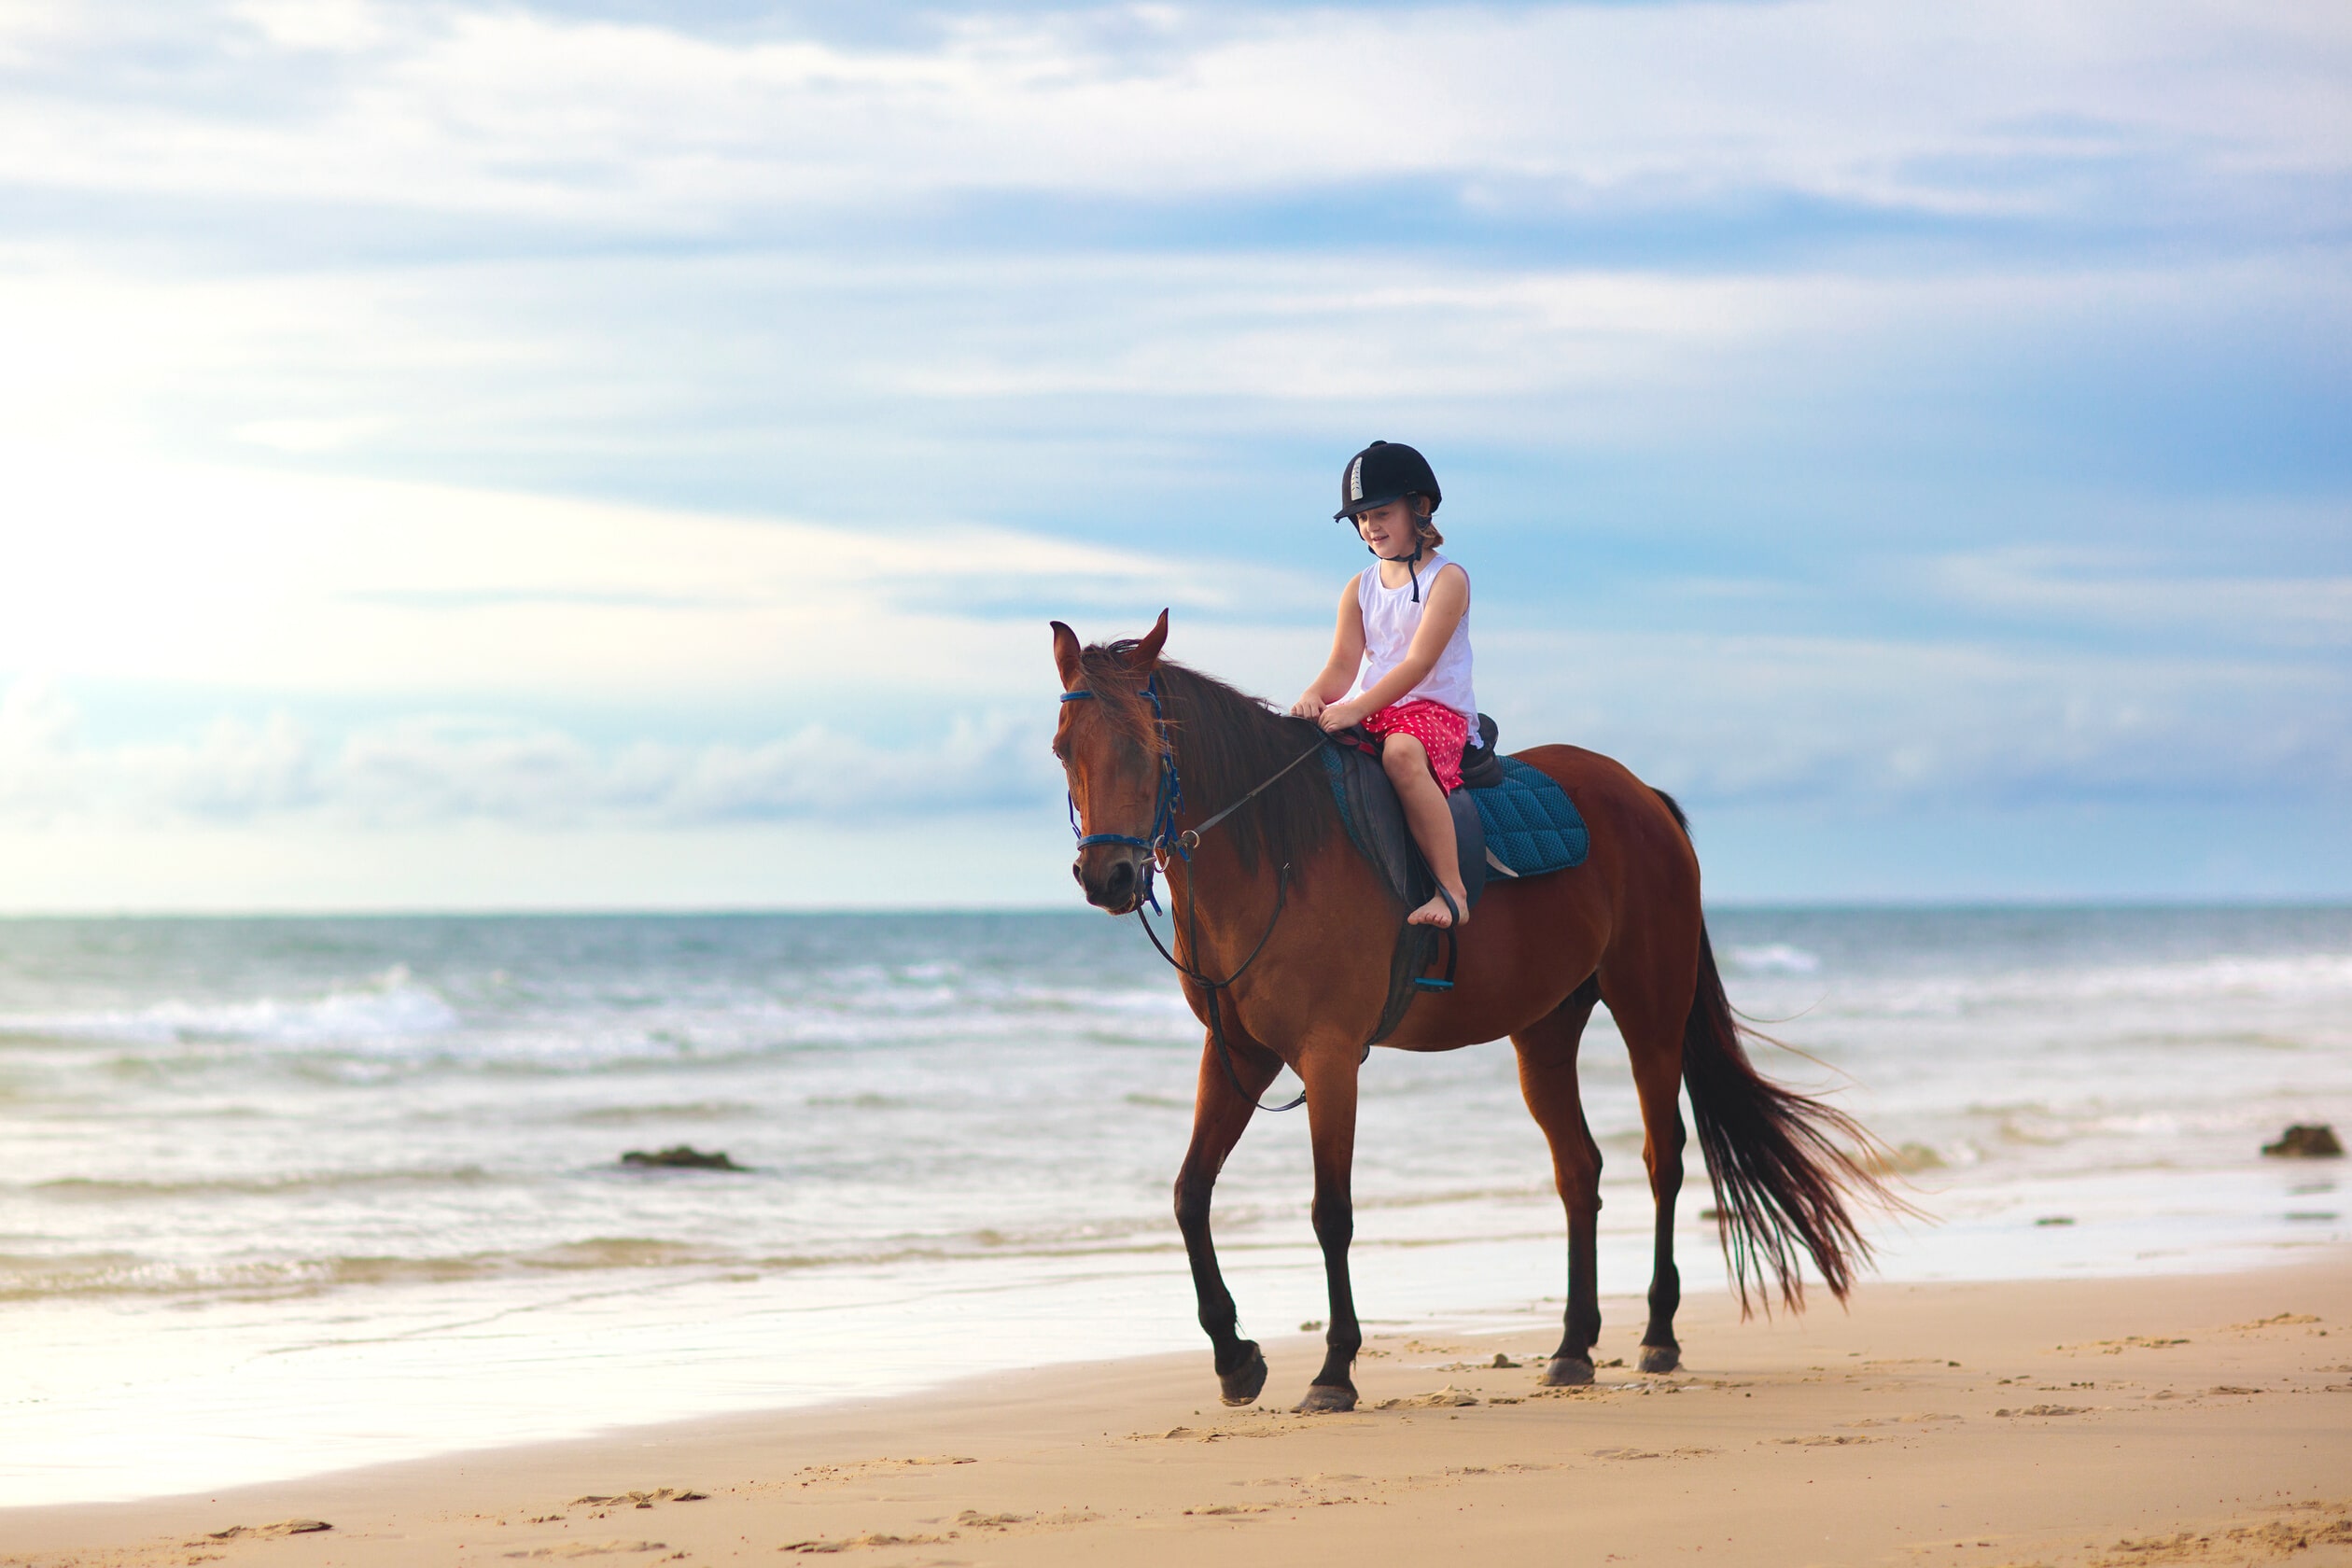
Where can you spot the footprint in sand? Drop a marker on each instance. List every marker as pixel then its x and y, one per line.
pixel 1445 1398
pixel 1826 1440
pixel 2133 1342
pixel 972 1518
pixel 855 1543
pixel 858 1469
pixel 282 1527
pixel 2244 1543
pixel 590 1548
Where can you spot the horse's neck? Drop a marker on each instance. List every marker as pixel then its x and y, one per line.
pixel 1218 905
pixel 1235 901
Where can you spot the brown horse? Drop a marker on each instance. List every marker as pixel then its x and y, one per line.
pixel 1276 891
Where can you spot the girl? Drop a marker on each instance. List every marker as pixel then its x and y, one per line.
pixel 1400 657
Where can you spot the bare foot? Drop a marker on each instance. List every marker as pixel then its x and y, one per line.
pixel 1435 913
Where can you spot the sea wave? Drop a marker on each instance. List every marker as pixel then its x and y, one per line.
pixel 391 1005
pixel 690 1110
pixel 1773 958
pixel 2289 979
pixel 30 1277
pixel 393 1023
pixel 94 1189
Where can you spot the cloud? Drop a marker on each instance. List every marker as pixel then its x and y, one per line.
pixel 1862 726
pixel 1890 725
pixel 200 575
pixel 2089 589
pixel 619 122
pixel 436 770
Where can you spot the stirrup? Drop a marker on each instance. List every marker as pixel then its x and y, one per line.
pixel 1454 948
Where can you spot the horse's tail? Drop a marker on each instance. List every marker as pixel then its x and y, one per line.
pixel 1784 1165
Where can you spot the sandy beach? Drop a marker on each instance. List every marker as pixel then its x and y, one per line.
pixel 2198 1419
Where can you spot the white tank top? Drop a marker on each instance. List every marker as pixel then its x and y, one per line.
pixel 1391 617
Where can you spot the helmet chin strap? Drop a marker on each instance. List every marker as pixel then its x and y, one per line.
pixel 1412 571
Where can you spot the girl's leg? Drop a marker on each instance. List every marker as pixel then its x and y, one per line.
pixel 1406 761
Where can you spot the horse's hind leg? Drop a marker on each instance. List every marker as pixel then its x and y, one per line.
pixel 1657 1081
pixel 1220 1114
pixel 1548 1078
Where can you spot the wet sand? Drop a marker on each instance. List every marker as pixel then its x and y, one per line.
pixel 2193 1420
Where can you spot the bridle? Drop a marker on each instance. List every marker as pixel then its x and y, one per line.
pixel 1163 842
pixel 1166 800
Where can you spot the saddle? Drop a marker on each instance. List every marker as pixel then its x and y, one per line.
pixel 1510 820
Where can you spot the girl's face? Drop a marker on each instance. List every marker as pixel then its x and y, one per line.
pixel 1392 531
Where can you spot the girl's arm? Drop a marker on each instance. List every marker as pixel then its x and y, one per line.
pixel 1347 657
pixel 1444 603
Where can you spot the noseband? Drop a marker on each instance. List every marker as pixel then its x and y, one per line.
pixel 1166 802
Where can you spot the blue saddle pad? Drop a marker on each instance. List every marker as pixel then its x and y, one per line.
pixel 1532 826
pixel 1528 824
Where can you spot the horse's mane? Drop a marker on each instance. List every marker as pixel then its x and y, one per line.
pixel 1226 743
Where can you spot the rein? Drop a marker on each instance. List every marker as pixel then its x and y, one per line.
pixel 1216 1002
pixel 1162 843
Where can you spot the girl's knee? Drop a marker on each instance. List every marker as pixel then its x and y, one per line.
pixel 1415 778
pixel 1404 756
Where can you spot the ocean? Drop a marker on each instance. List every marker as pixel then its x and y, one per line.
pixel 292 1194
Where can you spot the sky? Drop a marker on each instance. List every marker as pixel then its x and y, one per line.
pixel 592 453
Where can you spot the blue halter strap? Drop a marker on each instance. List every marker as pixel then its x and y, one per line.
pixel 1161 837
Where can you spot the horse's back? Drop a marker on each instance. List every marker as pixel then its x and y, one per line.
pixel 1632 825
pixel 1642 880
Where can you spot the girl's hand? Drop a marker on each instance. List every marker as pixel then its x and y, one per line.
pixel 1341 715
pixel 1309 707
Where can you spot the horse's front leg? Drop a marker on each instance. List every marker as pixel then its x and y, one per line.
pixel 1220 1112
pixel 1329 1073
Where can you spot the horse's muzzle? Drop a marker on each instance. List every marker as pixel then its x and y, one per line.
pixel 1112 875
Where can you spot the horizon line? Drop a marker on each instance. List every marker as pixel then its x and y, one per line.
pixel 2010 903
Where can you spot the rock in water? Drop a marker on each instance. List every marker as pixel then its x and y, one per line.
pixel 2316 1140
pixel 681 1158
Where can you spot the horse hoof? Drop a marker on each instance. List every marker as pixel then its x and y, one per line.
pixel 1660 1358
pixel 1567 1372
pixel 1326 1399
pixel 1240 1386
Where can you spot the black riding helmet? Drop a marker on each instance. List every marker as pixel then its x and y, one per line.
pixel 1382 472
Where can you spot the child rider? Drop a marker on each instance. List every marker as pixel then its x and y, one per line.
pixel 1400 657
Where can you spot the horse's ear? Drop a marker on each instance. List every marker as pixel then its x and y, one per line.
pixel 1146 652
pixel 1066 655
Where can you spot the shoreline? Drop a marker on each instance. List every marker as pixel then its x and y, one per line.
pixel 2046 1418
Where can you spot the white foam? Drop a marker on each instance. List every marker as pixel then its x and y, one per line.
pixel 1775 957
pixel 389 1006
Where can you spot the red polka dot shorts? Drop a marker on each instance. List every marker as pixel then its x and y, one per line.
pixel 1442 732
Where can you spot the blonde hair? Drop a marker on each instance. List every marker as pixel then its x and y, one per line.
pixel 1425 521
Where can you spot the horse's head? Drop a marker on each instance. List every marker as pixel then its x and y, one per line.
pixel 1109 743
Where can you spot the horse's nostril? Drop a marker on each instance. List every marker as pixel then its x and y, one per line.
pixel 1077 875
